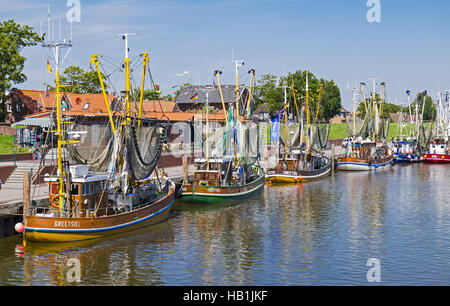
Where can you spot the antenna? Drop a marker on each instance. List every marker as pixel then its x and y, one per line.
pixel 56 46
pixel 125 37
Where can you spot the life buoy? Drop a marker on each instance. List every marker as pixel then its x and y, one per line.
pixel 365 151
pixel 203 183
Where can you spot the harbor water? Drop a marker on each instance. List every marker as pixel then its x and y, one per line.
pixel 318 233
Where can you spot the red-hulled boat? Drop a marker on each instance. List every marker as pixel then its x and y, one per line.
pixel 438 153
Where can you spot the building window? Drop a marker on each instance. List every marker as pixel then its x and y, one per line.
pixel 9 108
pixel 86 106
pixel 18 108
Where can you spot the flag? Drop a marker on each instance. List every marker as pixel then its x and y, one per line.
pixel 47 94
pixel 275 129
pixel 49 67
pixel 194 97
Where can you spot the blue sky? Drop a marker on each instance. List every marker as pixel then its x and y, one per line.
pixel 408 49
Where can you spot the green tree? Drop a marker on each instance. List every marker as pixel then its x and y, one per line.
pixel 429 113
pixel 76 80
pixel 270 90
pixel 13 38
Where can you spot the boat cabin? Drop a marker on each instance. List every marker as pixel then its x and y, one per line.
pixel 86 191
pixel 220 171
pixel 439 147
pixel 405 146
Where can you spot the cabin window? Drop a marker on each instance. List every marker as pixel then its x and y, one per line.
pixel 54 189
pixel 75 189
pixel 86 189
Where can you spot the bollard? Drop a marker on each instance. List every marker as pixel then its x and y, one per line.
pixel 332 158
pixel 26 195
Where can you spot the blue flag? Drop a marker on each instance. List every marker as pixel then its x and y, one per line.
pixel 275 129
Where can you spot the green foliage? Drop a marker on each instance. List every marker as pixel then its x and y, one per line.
pixel 388 108
pixel 7 145
pixel 76 80
pixel 429 113
pixel 269 90
pixel 13 38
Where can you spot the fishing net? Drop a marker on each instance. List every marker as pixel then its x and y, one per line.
pixel 293 135
pixel 383 129
pixel 94 147
pixel 319 136
pixel 144 146
pixel 424 136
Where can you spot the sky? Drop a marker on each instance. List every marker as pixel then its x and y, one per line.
pixel 408 48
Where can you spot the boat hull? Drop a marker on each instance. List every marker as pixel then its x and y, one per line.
pixel 437 158
pixel 361 164
pixel 407 158
pixel 220 194
pixel 292 177
pixel 55 229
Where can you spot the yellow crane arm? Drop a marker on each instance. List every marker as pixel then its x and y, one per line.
pixel 94 60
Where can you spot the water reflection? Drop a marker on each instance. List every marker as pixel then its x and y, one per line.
pixel 317 233
pixel 116 260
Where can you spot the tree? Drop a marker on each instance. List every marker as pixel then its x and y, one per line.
pixel 13 38
pixel 267 91
pixel 78 81
pixel 271 91
pixel 429 113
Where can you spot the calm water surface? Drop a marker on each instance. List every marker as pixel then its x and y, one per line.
pixel 317 233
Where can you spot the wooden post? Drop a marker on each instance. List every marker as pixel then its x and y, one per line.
pixel 185 168
pixel 332 158
pixel 26 197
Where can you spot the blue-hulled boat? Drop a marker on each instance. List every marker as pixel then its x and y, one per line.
pixel 406 151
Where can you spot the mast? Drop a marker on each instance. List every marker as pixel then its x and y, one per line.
pixel 57 47
pixel 409 106
pixel 307 112
pixel 238 63
pixel 286 107
pixel 127 73
pixel 207 131
pixel 354 111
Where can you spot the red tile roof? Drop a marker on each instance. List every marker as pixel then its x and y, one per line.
pixel 78 102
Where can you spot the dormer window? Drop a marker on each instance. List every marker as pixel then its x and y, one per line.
pixel 86 106
pixel 18 108
pixel 9 108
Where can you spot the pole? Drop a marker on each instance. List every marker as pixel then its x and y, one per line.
pixel 94 59
pixel 26 198
pixel 332 158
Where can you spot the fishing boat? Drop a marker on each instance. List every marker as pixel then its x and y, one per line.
pixel 408 144
pixel 301 156
pixel 439 148
pixel 117 190
pixel 439 152
pixel 364 153
pixel 232 172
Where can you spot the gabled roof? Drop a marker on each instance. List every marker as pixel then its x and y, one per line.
pixel 228 92
pixel 77 102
